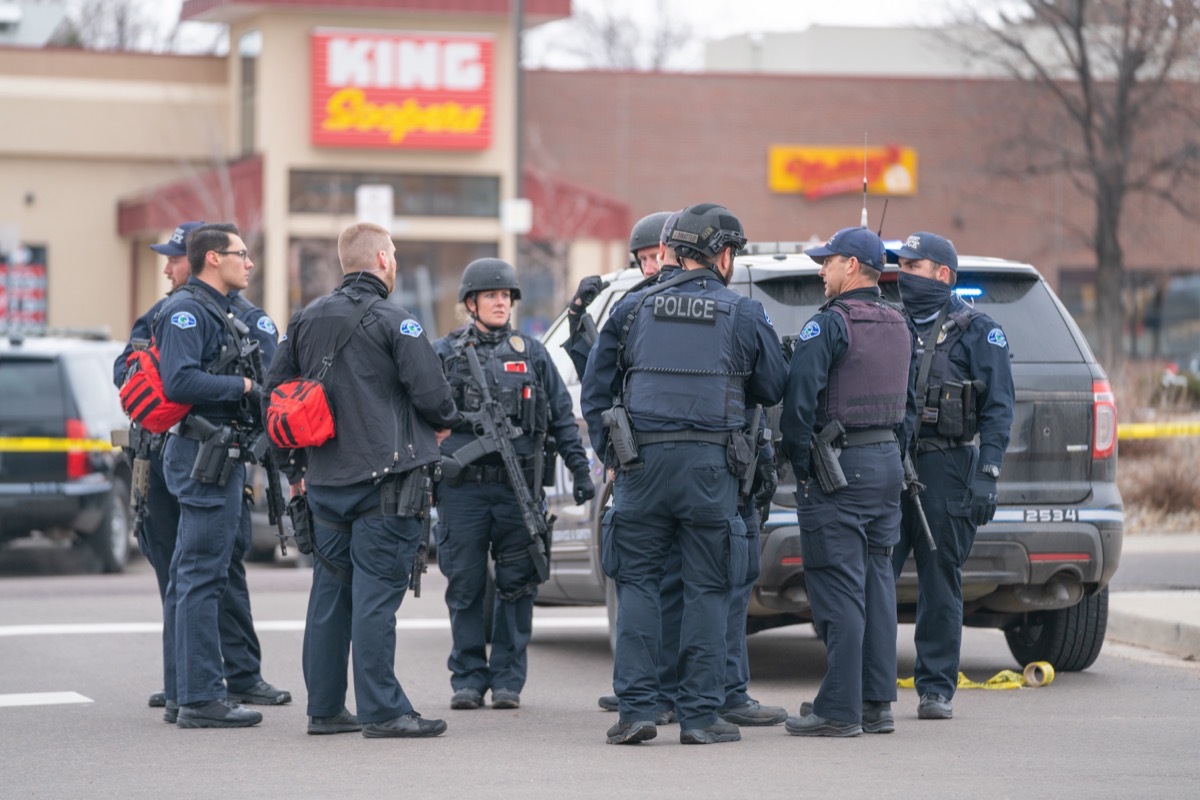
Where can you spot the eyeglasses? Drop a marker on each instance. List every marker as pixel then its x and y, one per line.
pixel 242 254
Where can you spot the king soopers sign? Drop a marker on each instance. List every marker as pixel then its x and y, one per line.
pixel 400 90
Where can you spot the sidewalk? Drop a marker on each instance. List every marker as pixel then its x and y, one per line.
pixel 1166 621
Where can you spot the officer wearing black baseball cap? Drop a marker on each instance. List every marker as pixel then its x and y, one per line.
pixel 961 425
pixel 847 394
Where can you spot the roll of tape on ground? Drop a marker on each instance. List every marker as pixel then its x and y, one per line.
pixel 1038 673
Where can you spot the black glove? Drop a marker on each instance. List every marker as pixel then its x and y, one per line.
pixel 983 498
pixel 584 488
pixel 589 287
pixel 255 395
pixel 766 481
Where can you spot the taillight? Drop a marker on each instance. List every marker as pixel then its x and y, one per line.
pixel 1104 420
pixel 77 459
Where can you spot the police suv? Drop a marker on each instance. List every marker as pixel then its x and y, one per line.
pixel 1039 570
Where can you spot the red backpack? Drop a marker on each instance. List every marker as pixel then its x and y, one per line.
pixel 298 412
pixel 142 394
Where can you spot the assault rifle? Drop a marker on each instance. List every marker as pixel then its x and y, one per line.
pixel 276 502
pixel 421 562
pixel 914 486
pixel 495 434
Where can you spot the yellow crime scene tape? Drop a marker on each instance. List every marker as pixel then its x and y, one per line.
pixel 1035 674
pixel 1156 430
pixel 49 444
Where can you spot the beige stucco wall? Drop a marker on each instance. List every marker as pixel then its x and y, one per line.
pixel 80 131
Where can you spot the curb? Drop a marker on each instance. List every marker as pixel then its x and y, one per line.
pixel 1135 627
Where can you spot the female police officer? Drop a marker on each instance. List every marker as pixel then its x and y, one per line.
pixel 477 506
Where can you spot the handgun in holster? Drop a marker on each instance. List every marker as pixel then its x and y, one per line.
pixel 620 436
pixel 218 453
pixel 302 523
pixel 826 466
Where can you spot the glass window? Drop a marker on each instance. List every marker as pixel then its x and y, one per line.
pixel 32 389
pixel 327 192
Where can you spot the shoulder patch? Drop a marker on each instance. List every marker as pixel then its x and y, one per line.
pixel 811 331
pixel 410 327
pixel 283 338
pixel 266 325
pixel 183 320
pixel 767 317
pixel 997 337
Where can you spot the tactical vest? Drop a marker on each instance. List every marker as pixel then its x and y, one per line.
pixel 942 369
pixel 682 361
pixel 869 387
pixel 513 381
pixel 228 360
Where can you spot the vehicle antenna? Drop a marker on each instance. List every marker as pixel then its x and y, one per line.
pixel 863 222
pixel 882 216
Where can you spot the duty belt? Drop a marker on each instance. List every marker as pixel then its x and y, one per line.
pixel 658 437
pixel 864 436
pixel 926 444
pixel 189 429
pixel 485 473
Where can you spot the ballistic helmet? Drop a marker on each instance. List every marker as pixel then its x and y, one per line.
pixel 647 231
pixel 702 231
pixel 486 274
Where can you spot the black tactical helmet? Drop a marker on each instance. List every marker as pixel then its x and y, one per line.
pixel 647 230
pixel 486 274
pixel 702 231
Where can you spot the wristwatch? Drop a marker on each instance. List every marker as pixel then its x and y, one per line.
pixel 991 470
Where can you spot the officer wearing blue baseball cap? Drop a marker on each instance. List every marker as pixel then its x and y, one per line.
pixel 964 396
pixel 843 415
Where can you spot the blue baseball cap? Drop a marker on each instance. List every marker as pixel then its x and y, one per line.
pixel 861 243
pixel 923 244
pixel 177 244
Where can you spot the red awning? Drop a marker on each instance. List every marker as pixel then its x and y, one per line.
pixel 229 193
pixel 563 210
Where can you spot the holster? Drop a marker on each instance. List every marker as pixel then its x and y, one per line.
pixel 741 454
pixel 218 453
pixel 620 435
pixel 826 466
pixel 407 496
pixel 302 523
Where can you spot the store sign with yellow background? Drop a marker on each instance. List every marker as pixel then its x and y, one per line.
pixel 817 172
pixel 401 90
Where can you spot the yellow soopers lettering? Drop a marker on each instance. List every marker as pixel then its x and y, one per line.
pixel 349 109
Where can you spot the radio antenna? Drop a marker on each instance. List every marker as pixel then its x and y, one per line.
pixel 882 216
pixel 863 222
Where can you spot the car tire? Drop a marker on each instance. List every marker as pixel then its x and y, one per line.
pixel 1068 638
pixel 107 548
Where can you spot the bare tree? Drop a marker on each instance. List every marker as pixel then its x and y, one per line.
pixel 602 36
pixel 1116 112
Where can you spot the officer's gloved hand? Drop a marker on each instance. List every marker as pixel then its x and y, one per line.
pixel 255 395
pixel 983 499
pixel 584 488
pixel 766 481
pixel 589 287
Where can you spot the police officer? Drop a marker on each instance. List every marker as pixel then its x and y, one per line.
pixel 850 368
pixel 684 359
pixel 645 246
pixel 477 509
pixel 738 707
pixel 201 360
pixel 391 406
pixel 965 394
pixel 159 527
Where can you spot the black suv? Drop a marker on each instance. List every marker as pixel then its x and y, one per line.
pixel 1039 570
pixel 59 474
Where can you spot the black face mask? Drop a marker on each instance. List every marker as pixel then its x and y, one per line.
pixel 923 297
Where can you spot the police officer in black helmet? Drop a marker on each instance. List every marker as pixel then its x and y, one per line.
pixel 851 368
pixel 683 359
pixel 965 397
pixel 478 512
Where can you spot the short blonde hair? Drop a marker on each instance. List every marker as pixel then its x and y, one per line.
pixel 358 245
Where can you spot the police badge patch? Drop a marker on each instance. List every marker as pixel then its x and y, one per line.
pixel 517 343
pixel 183 320
pixel 811 331
pixel 410 327
pixel 265 325
pixel 997 337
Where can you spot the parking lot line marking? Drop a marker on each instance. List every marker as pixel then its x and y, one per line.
pixel 42 699
pixel 277 626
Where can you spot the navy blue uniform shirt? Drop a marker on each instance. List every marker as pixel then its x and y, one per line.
pixel 189 337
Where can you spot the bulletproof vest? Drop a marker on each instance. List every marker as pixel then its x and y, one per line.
pixel 682 361
pixel 227 361
pixel 869 387
pixel 513 381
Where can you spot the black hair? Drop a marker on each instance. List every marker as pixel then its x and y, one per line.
pixel 214 236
